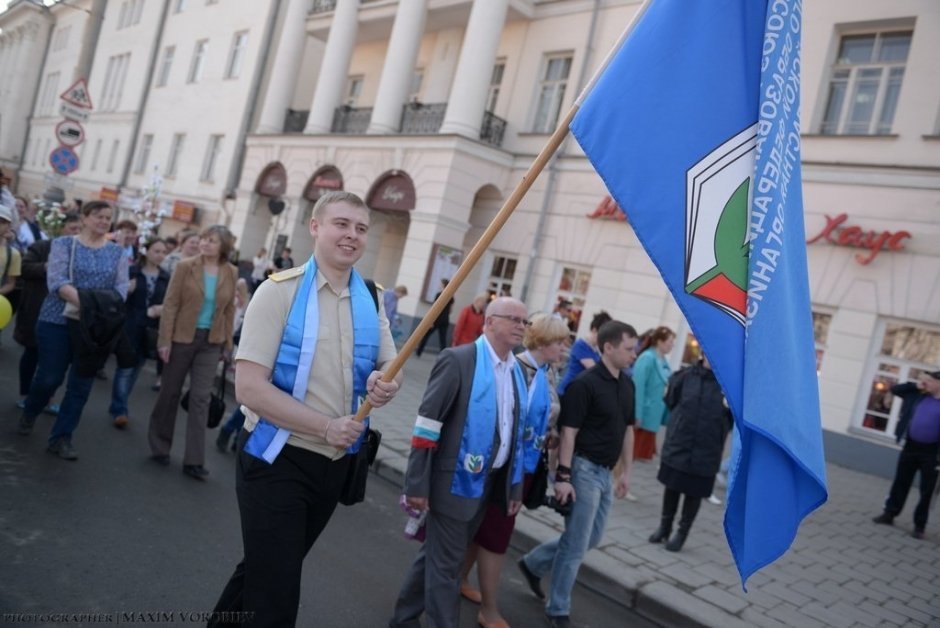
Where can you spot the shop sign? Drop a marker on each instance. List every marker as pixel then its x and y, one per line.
pixel 836 232
pixel 324 180
pixel 608 209
pixel 108 194
pixel 272 182
pixel 183 212
pixel 395 193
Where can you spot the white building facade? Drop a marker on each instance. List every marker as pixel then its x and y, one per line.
pixel 433 110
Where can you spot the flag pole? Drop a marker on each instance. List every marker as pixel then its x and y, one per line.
pixel 475 253
pixel 504 213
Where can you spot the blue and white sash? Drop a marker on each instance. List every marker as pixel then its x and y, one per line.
pixel 479 433
pixel 536 423
pixel 298 346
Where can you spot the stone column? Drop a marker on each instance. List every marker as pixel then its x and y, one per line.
pixel 284 66
pixel 335 67
pixel 475 68
pixel 398 70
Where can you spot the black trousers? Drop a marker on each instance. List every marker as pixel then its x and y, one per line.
pixel 914 457
pixel 284 507
pixel 441 330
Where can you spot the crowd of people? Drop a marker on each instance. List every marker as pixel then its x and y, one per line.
pixel 511 406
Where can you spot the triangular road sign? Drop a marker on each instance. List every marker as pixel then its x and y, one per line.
pixel 78 95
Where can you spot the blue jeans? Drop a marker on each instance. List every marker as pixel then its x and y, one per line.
pixel 584 528
pixel 55 357
pixel 124 380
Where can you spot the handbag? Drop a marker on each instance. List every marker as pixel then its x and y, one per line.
pixel 71 310
pixel 216 404
pixel 535 496
pixel 354 486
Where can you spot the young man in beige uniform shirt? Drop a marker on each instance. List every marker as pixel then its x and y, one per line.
pixel 284 506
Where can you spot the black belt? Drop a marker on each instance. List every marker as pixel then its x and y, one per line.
pixel 581 454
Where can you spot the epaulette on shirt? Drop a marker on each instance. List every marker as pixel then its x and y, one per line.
pixel 290 273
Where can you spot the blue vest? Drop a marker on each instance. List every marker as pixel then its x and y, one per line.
pixel 479 432
pixel 298 346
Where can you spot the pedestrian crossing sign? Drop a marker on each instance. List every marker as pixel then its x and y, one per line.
pixel 77 95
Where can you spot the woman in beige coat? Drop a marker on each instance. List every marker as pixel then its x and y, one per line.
pixel 195 333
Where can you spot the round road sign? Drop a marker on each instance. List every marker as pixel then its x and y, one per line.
pixel 63 160
pixel 70 133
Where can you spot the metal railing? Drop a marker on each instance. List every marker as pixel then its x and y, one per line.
pixel 352 120
pixel 295 121
pixel 492 129
pixel 422 119
pixel 322 6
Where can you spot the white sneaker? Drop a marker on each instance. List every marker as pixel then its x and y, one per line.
pixel 630 497
pixel 712 499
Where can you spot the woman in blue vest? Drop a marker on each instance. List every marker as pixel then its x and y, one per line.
pixel 650 376
pixel 544 342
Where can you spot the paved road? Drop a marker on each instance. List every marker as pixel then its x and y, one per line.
pixel 114 533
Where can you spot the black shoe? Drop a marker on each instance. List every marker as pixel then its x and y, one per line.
pixel 195 471
pixel 918 533
pixel 884 518
pixel 63 449
pixel 662 532
pixel 25 426
pixel 534 582
pixel 559 621
pixel 161 459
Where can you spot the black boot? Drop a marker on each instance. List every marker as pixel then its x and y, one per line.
pixel 690 506
pixel 678 540
pixel 663 531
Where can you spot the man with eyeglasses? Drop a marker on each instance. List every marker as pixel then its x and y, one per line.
pixel 596 422
pixel 466 452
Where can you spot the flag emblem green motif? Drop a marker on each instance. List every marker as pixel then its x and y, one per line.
pixel 718 198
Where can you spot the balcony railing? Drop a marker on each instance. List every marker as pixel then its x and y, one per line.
pixel 492 129
pixel 295 121
pixel 352 120
pixel 422 119
pixel 322 6
pixel 416 119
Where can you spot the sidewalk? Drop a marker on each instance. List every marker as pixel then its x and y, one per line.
pixel 842 570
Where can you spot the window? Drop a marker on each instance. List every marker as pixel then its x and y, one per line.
pixel 502 274
pixel 95 156
pixel 821 323
pixel 199 59
pixel 176 149
pixel 112 158
pixel 212 156
pixel 114 79
pixel 906 353
pixel 163 75
pixel 122 17
pixel 208 2
pixel 551 93
pixel 353 90
pixel 495 81
pixel 237 55
pixel 137 12
pixel 416 80
pixel 573 287
pixel 179 6
pixel 50 91
pixel 143 157
pixel 865 84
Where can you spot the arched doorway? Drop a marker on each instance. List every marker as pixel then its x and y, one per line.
pixel 391 198
pixel 495 272
pixel 268 202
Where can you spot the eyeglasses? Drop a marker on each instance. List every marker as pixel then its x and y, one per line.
pixel 515 319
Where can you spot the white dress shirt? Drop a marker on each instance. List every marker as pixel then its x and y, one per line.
pixel 505 402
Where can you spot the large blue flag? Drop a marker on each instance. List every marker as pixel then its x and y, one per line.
pixel 694 127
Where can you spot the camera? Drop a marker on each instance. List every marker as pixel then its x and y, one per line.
pixel 552 502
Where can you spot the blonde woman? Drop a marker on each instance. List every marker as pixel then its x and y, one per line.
pixel 195 329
